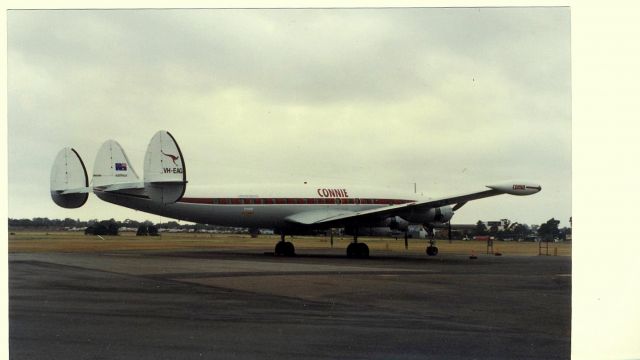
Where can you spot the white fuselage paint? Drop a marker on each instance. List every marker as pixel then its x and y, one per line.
pixel 256 206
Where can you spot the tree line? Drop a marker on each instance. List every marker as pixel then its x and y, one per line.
pixel 68 223
pixel 503 229
pixel 546 231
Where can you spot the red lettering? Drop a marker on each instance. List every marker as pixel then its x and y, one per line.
pixel 332 192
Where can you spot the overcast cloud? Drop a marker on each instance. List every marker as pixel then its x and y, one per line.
pixel 452 99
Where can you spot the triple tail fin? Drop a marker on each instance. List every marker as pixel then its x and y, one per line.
pixel 164 182
pixel 165 175
pixel 69 184
pixel 112 169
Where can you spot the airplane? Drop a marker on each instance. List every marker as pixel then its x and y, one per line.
pixel 288 209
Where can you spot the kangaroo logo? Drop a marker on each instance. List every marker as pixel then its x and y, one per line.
pixel 173 157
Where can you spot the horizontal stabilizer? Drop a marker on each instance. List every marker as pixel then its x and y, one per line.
pixel 113 187
pixel 165 176
pixel 81 190
pixel 124 186
pixel 69 180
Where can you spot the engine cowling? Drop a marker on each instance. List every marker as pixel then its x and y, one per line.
pixel 396 223
pixel 443 214
pixel 434 215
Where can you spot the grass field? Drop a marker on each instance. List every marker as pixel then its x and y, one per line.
pixel 24 241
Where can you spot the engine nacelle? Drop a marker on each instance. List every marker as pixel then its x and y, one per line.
pixel 443 214
pixel 396 223
pixel 435 215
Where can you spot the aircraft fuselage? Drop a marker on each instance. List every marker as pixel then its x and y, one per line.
pixel 260 211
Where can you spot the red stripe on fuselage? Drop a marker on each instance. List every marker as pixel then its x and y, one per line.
pixel 292 201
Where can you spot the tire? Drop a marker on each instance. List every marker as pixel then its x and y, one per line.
pixel 352 250
pixel 289 249
pixel 363 250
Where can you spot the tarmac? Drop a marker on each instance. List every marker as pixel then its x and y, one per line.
pixel 321 305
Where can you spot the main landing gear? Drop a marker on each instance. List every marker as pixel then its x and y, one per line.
pixel 356 249
pixel 432 250
pixel 284 248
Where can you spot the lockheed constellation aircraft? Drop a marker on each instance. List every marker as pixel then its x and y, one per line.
pixel 290 210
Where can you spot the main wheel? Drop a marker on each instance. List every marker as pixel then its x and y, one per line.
pixel 363 250
pixel 352 250
pixel 285 248
pixel 432 250
pixel 357 250
pixel 289 249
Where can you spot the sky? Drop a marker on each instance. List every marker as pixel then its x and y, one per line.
pixel 451 99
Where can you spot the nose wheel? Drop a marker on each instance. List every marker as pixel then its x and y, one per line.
pixel 432 250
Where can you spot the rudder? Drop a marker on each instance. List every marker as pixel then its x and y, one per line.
pixel 69 183
pixel 165 176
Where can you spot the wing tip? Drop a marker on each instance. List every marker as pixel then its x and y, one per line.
pixel 517 187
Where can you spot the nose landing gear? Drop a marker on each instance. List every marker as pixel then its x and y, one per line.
pixel 432 250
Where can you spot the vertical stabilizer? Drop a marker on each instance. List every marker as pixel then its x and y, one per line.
pixel 165 176
pixel 69 183
pixel 112 166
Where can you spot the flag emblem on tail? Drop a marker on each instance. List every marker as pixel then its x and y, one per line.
pixel 121 166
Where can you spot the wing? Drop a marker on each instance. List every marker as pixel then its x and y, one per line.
pixel 341 217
